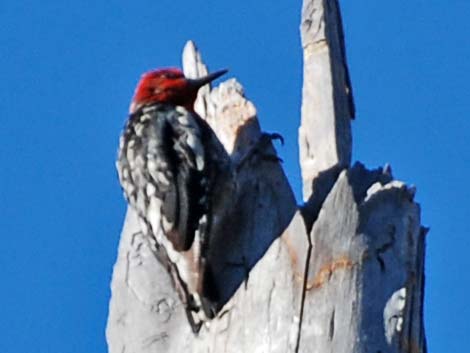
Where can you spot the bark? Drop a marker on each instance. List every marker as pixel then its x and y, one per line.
pixel 342 273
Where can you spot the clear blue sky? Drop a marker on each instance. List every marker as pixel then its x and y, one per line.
pixel 68 69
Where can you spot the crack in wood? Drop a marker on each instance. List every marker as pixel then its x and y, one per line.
pixel 270 299
pixel 304 293
pixel 331 332
pixel 154 339
pixel 386 246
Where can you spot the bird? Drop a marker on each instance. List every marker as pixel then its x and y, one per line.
pixel 174 172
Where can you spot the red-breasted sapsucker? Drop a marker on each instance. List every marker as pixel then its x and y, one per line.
pixel 171 167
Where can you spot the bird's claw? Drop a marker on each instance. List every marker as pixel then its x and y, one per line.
pixel 259 147
pixel 273 136
pixel 195 326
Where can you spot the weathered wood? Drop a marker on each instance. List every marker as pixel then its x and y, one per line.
pixel 264 203
pixel 364 272
pixel 364 288
pixel 345 276
pixel 153 320
pixel 327 103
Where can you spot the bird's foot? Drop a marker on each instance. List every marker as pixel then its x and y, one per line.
pixel 259 149
pixel 193 322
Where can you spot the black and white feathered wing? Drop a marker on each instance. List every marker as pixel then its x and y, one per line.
pixel 171 166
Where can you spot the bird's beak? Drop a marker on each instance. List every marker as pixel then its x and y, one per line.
pixel 201 81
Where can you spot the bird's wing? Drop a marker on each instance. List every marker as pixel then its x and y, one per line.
pixel 161 168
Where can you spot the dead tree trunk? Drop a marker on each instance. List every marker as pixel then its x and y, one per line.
pixel 342 273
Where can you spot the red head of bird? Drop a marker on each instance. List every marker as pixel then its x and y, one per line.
pixel 169 86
